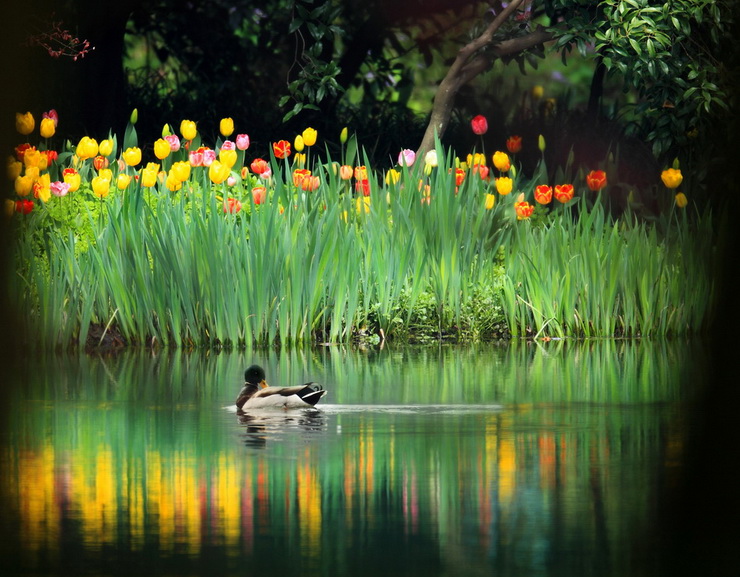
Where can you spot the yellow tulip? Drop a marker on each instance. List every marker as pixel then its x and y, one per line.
pixel 309 136
pixel 100 186
pixel 24 123
pixel 362 204
pixel 123 181
pixel 32 172
pixel 149 174
pixel 227 157
pixel 226 127
pixel 87 148
pixel 72 178
pixel 106 173
pixel 490 201
pixel 299 159
pixel 298 143
pixel 188 129
pixel 392 176
pixel 14 168
pixel 218 172
pixel 172 183
pixel 504 185
pixel 181 170
pixel 161 149
pixel 23 185
pixel 47 128
pixel 132 156
pixel 106 147
pixel 671 177
pixel 681 200
pixel 501 161
pixel 32 157
pixel 8 207
pixel 42 188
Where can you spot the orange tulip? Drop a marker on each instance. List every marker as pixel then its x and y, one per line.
pixel 563 192
pixel 596 180
pixel 543 194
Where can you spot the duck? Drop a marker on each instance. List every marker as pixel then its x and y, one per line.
pixel 257 394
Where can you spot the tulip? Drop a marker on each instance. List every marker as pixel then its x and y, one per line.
pixel 59 188
pixel 514 144
pixel 523 210
pixel 537 92
pixel 226 126
pixel 430 159
pixel 133 119
pixel 106 147
pixel 563 192
pixel 181 170
pixel 188 129
pixel 209 155
pixel 406 157
pixel 174 142
pixel 504 185
pixel 501 161
pixel 51 156
pixel 298 143
pixel 162 148
pixel 281 149
pixel 543 194
pixel 23 185
pixel 132 156
pixel 299 174
pixel 299 159
pixel 24 206
pixel 345 172
pixel 309 136
pixel 259 193
pixel 228 157
pixel 228 145
pixel 47 128
pixel 32 157
pixel 392 176
pixel 53 116
pixel 259 166
pixel 490 201
pixel 33 173
pixel 481 170
pixel 9 207
pixel 232 206
pixel 172 183
pixel 476 159
pixel 24 123
pixel 459 176
pixel 343 135
pixel 100 162
pixel 672 177
pixel 363 187
pixel 14 168
pixel 362 204
pixel 21 149
pixel 149 174
pixel 87 148
pixel 310 183
pixel 72 178
pixel 361 172
pixel 100 186
pixel 596 180
pixel 218 172
pixel 242 141
pixel 681 200
pixel 479 124
pixel 123 181
pixel 541 143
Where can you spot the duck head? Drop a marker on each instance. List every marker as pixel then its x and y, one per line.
pixel 254 379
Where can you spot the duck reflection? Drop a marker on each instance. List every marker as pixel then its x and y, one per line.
pixel 263 426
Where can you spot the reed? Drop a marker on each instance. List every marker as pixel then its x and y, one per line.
pixel 176 268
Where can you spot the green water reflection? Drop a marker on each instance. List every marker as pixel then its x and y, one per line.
pixel 512 460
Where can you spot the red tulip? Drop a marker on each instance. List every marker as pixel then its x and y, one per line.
pixel 479 124
pixel 281 148
pixel 259 166
pixel 514 144
pixel 596 180
pixel 563 192
pixel 23 206
pixel 543 194
pixel 258 194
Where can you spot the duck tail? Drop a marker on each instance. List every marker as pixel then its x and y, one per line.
pixel 312 393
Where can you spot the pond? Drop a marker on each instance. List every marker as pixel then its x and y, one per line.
pixel 518 459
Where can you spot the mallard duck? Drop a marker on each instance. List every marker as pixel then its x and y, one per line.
pixel 256 394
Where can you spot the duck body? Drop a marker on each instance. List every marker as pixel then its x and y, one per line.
pixel 257 394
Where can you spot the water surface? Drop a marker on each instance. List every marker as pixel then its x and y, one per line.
pixel 528 459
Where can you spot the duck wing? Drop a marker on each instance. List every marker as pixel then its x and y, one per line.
pixel 310 393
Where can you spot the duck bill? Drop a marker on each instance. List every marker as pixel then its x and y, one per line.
pixel 263 384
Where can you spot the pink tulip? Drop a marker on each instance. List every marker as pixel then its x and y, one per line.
pixel 406 157
pixel 242 141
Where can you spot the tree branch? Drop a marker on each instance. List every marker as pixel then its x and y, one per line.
pixel 468 65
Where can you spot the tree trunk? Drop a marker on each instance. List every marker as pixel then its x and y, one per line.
pixel 468 65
